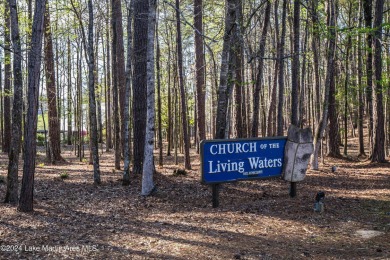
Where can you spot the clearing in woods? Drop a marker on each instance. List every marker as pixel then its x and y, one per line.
pixel 256 220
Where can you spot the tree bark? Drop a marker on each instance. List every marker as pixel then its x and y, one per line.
pixel 34 65
pixel 367 8
pixel 256 95
pixel 115 87
pixel 187 163
pixel 7 79
pixel 54 149
pixel 331 47
pixel 223 90
pixel 141 8
pixel 295 70
pixel 280 126
pixel 378 152
pixel 148 165
pixel 92 98
pixel 126 135
pixel 200 69
pixel 16 137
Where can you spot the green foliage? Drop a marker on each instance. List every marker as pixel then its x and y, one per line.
pixel 64 175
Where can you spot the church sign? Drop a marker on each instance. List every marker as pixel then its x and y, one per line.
pixel 241 159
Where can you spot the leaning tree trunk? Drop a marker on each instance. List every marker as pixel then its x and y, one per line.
pixel 187 162
pixel 34 66
pixel 148 165
pixel 16 137
pixel 378 152
pixel 331 47
pixel 54 149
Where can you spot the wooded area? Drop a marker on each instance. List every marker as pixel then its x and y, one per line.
pixel 142 83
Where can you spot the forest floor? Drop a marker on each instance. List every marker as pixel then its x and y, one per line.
pixel 74 219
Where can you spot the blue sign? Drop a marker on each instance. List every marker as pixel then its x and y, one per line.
pixel 241 159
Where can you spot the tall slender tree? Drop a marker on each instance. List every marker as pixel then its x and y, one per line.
pixel 378 152
pixel 148 165
pixel 126 136
pixel 16 138
pixel 54 149
pixel 141 9
pixel 295 71
pixel 115 85
pixel 259 77
pixel 331 50
pixel 34 64
pixel 187 162
pixel 7 78
pixel 92 97
pixel 200 69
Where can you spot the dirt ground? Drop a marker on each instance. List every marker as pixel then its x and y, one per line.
pixel 74 219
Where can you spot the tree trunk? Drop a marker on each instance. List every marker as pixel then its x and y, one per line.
pixel 7 79
pixel 186 140
pixel 148 165
pixel 256 96
pixel 34 60
pixel 378 152
pixel 16 137
pixel 316 59
pixel 115 87
pixel 331 47
pixel 69 96
pixel 360 90
pixel 160 142
pixel 200 69
pixel 108 87
pixel 92 98
pixel 126 136
pixel 223 90
pixel 141 8
pixel 346 83
pixel 295 67
pixel 281 44
pixel 54 154
pixel 367 8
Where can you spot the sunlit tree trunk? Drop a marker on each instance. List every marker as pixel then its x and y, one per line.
pixel 148 165
pixel 126 136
